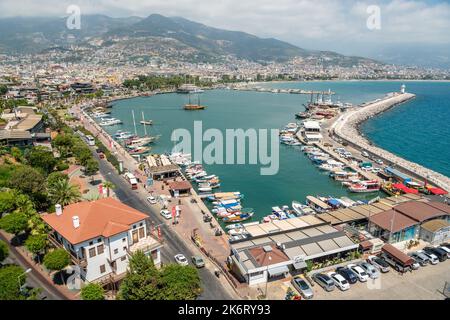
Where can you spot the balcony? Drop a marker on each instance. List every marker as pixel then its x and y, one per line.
pixel 82 262
pixel 146 244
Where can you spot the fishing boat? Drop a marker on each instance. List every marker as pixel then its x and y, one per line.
pixel 234 218
pixel 234 226
pixel 317 204
pixel 299 208
pixel 365 186
pixel 302 115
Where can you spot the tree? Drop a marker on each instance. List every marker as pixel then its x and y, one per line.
pixel 3 90
pixel 27 179
pixel 4 250
pixel 16 153
pixel 41 158
pixel 109 186
pixel 36 244
pixel 91 167
pixel 12 278
pixel 63 143
pixel 93 291
pixel 63 193
pixel 57 260
pixel 143 281
pixel 14 223
pixel 7 202
pixel 54 177
pixel 180 282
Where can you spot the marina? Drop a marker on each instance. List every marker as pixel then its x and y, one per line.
pixel 328 177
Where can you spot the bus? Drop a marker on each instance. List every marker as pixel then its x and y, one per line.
pixel 90 140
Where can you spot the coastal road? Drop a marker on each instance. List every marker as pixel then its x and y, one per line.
pixel 173 244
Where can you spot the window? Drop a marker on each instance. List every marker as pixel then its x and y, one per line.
pixel 99 240
pixel 141 233
pixel 140 224
pixel 102 268
pixel 124 248
pixel 124 239
pixel 116 251
pixel 123 258
pixel 91 243
pixel 91 252
pixel 100 249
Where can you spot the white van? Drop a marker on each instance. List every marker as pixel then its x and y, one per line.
pixel 90 140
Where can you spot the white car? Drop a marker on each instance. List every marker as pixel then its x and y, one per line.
pixel 166 214
pixel 359 272
pixel 181 259
pixel 432 257
pixel 339 281
pixel 151 200
pixel 376 170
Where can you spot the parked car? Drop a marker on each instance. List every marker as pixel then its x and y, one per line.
pixel 347 274
pixel 166 214
pixel 339 281
pixel 181 259
pixel 415 265
pixel 433 259
pixel 151 200
pixel 379 263
pixel 441 254
pixel 364 154
pixel 371 271
pixel 446 250
pixel 302 287
pixel 421 258
pixel 324 281
pixel 198 261
pixel 379 161
pixel 359 272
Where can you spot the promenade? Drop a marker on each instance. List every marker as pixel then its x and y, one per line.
pixel 346 128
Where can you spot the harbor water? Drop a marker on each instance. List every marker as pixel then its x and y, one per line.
pixel 423 142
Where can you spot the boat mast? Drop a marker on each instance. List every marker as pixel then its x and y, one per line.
pixel 134 122
pixel 145 124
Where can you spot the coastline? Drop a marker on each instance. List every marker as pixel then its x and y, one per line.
pixel 347 127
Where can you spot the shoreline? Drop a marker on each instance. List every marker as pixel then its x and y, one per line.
pixel 348 128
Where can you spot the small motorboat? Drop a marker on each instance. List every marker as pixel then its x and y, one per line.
pixel 146 122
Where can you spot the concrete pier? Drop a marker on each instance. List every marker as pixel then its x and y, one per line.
pixel 346 128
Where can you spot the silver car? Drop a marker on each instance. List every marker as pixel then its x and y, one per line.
pixel 302 287
pixel 370 270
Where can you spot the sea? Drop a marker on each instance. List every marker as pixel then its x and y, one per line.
pixel 418 130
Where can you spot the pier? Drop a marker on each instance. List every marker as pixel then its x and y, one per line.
pixel 346 127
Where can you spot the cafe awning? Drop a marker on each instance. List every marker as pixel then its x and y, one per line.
pixel 278 271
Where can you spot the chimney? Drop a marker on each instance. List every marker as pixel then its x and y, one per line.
pixel 76 221
pixel 58 209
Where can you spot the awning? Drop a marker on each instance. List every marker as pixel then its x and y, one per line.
pixel 404 188
pixel 299 265
pixel 437 191
pixel 278 271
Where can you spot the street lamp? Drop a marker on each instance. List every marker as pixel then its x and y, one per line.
pixel 267 280
pixel 20 276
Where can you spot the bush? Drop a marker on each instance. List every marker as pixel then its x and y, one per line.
pixel 61 166
pixel 92 291
pixel 10 277
pixel 57 260
pixel 4 250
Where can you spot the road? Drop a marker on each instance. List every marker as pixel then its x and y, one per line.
pixel 212 289
pixel 34 279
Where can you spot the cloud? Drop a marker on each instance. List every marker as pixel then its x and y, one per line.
pixel 327 24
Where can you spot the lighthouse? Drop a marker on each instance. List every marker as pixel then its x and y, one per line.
pixel 403 89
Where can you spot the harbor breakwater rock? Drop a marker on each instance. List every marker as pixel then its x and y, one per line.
pixel 347 128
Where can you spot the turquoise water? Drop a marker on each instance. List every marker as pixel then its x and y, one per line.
pixel 297 177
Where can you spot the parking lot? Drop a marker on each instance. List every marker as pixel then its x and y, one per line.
pixel 427 283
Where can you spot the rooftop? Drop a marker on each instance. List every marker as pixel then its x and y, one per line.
pixel 392 221
pixel 105 217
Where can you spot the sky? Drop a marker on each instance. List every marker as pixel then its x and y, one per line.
pixel 411 29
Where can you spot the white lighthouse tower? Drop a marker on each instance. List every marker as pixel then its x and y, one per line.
pixel 403 89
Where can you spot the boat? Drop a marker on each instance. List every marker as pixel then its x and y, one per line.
pixel 302 115
pixel 123 135
pixel 299 208
pixel 139 150
pixel 365 186
pixel 234 226
pixel 205 189
pixel 146 122
pixel 138 142
pixel 238 218
pixel 189 88
pixel 317 204
pixel 110 122
pixel 191 106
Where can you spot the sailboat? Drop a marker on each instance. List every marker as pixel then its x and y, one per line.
pixel 191 106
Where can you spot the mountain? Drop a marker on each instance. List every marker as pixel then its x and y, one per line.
pixel 156 32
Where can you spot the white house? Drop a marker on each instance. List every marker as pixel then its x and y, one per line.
pixel 100 236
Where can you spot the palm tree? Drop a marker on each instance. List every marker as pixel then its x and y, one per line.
pixel 108 185
pixel 63 193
